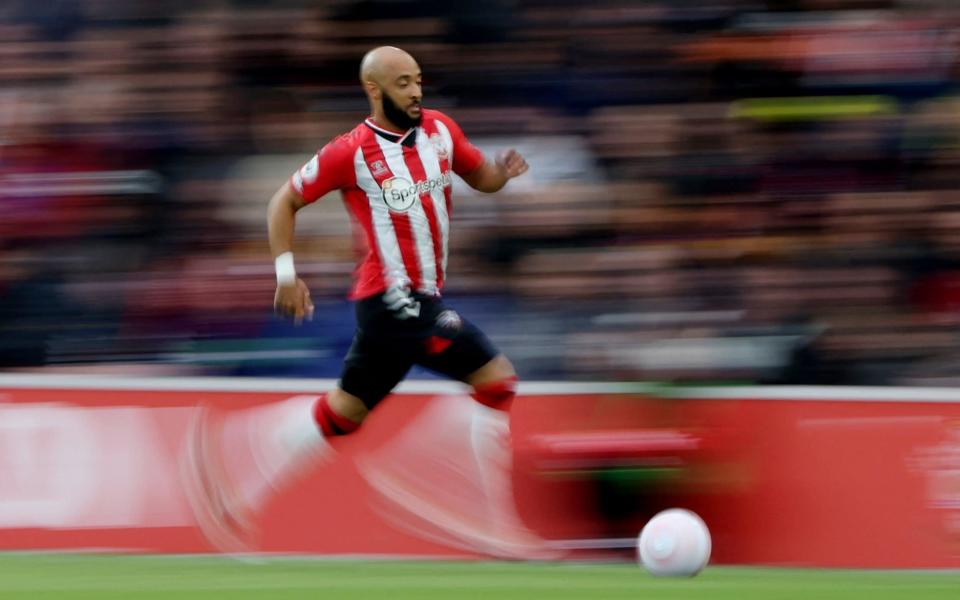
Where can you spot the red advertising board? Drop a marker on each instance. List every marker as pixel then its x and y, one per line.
pixel 852 477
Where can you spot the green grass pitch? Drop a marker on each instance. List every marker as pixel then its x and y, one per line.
pixel 71 577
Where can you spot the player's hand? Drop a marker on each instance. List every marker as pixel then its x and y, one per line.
pixel 512 164
pixel 293 301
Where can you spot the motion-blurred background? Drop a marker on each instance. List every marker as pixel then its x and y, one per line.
pixel 720 189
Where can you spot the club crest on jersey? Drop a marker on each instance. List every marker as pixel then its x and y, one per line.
pixel 378 168
pixel 441 148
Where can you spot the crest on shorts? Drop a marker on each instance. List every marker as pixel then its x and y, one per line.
pixel 439 146
pixel 449 319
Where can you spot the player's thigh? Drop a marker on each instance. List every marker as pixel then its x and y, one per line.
pixel 499 368
pixel 347 405
pixel 469 350
pixel 373 368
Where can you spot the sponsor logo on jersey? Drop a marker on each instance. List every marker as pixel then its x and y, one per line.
pixel 399 194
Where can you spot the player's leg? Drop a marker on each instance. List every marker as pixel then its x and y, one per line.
pixel 370 372
pixel 495 383
pixel 460 350
pixel 345 405
pixel 238 460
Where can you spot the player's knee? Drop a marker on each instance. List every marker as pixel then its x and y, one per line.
pixel 339 413
pixel 496 394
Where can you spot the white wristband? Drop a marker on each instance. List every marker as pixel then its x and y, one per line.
pixel 286 273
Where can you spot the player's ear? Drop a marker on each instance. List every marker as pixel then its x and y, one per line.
pixel 373 90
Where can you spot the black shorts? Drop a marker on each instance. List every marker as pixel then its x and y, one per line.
pixel 388 343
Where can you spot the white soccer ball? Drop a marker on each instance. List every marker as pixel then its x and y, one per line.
pixel 675 543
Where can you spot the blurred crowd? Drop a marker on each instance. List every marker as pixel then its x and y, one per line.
pixel 719 189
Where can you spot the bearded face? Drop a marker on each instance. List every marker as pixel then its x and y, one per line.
pixel 403 117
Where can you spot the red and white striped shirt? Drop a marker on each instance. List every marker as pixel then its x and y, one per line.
pixel 397 187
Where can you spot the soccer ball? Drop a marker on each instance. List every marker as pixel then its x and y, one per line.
pixel 675 543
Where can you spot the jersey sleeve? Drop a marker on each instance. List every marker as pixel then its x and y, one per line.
pixel 466 157
pixel 330 169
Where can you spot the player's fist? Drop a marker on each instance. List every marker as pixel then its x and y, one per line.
pixel 293 301
pixel 511 163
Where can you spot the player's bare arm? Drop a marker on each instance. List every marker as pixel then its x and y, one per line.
pixel 292 298
pixel 491 176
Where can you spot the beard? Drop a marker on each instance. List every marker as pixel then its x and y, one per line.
pixel 397 115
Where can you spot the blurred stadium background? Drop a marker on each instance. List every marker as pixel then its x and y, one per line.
pixel 735 191
pixel 720 189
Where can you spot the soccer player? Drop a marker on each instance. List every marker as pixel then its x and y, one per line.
pixel 394 171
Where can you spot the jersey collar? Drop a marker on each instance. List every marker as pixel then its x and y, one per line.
pixel 407 138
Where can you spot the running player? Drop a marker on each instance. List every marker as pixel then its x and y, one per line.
pixel 394 171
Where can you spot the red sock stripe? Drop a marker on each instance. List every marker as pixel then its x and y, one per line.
pixel 496 394
pixel 330 422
